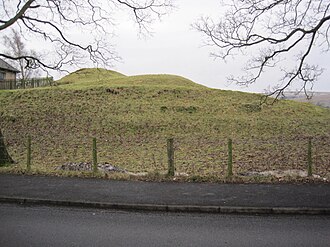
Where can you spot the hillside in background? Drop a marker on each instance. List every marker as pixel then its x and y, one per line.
pixel 318 98
pixel 132 117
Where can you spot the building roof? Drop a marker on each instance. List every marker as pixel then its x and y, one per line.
pixel 6 66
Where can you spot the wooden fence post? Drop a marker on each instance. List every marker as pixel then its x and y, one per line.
pixel 170 155
pixel 309 157
pixel 94 156
pixel 28 158
pixel 230 158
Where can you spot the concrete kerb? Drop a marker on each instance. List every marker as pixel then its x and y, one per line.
pixel 169 208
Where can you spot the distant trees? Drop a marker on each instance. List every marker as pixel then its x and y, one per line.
pixel 16 48
pixel 57 21
pixel 278 31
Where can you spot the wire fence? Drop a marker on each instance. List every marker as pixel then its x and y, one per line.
pixel 27 83
pixel 192 156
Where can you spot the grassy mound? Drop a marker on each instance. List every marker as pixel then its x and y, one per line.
pixel 91 78
pixel 132 117
pixel 87 75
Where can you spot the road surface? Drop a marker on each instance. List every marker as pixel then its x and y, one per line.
pixel 52 226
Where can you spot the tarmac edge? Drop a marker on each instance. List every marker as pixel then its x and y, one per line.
pixel 169 208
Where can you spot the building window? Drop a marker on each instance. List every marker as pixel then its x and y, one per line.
pixel 2 76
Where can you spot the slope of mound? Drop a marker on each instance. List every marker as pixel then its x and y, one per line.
pixel 161 81
pixel 88 78
pixel 86 75
pixel 132 122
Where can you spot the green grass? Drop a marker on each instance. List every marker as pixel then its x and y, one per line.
pixel 132 117
pixel 91 78
pixel 88 75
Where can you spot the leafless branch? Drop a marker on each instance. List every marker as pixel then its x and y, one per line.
pixel 279 29
pixel 53 21
pixel 17 16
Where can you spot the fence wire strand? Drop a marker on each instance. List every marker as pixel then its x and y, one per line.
pixel 200 156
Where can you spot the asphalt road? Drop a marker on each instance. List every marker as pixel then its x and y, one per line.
pixel 52 226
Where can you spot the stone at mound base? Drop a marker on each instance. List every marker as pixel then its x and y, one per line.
pixel 285 173
pixel 87 166
pixel 106 167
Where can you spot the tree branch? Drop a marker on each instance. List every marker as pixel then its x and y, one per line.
pixel 289 23
pixel 19 14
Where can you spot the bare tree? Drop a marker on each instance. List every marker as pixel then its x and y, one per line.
pixel 60 24
pixel 276 31
pixel 16 48
pixel 57 22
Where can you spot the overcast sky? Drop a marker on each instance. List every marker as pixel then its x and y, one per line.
pixel 175 48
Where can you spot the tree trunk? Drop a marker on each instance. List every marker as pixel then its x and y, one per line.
pixel 4 155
